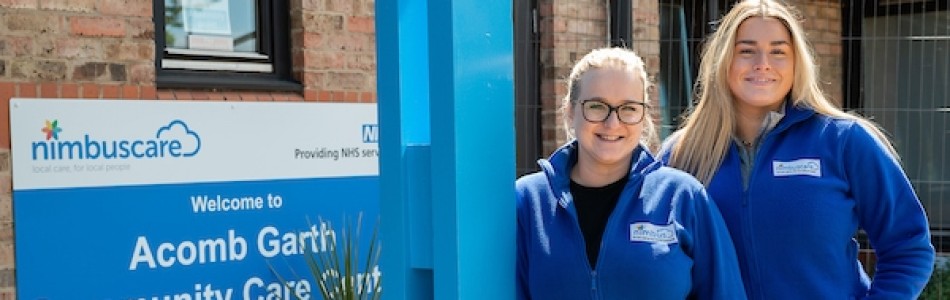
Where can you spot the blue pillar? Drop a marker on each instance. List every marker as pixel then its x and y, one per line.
pixel 446 115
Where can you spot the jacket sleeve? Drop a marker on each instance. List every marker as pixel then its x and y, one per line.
pixel 715 271
pixel 891 214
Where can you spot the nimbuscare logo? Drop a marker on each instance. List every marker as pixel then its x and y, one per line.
pixel 172 140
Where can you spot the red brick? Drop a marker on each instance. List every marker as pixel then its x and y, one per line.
pixel 231 96
pixel 49 90
pixel 5 113
pixel 341 6
pixel 235 96
pixel 199 95
pixel 18 3
pixel 351 97
pixel 132 51
pixel 313 5
pixel 338 96
pixel 7 91
pixel 183 95
pixel 325 96
pixel 360 24
pixel 97 26
pixel 368 97
pixel 90 91
pixel 148 92
pixel 27 90
pixel 50 24
pixel 295 97
pixel 126 7
pixel 78 48
pixel 311 95
pixel 141 28
pixel 313 80
pixel 5 189
pixel 350 42
pixel 833 13
pixel 216 96
pixel 312 40
pixel 324 60
pixel 166 95
pixel 130 92
pixel 322 22
pixel 69 90
pixel 361 61
pixel 70 5
pixel 280 96
pixel 143 73
pixel 265 97
pixel 110 91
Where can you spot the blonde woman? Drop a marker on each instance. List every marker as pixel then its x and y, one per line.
pixel 603 219
pixel 794 176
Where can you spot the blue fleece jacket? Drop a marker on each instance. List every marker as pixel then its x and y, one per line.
pixel 664 240
pixel 815 181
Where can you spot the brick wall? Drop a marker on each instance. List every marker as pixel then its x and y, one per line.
pixel 7 282
pixel 570 29
pixel 823 27
pixel 334 49
pixel 646 42
pixel 74 49
pixel 105 49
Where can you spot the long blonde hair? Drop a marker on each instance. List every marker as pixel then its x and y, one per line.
pixel 614 59
pixel 702 145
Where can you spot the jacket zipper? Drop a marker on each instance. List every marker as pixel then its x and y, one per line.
pixel 747 210
pixel 629 190
pixel 580 237
pixel 593 285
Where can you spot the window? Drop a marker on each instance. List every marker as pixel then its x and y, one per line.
pixel 683 27
pixel 237 44
pixel 897 54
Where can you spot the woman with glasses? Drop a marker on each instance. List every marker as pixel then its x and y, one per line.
pixel 794 176
pixel 603 219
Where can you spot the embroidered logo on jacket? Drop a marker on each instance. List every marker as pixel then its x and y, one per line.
pixel 804 166
pixel 647 232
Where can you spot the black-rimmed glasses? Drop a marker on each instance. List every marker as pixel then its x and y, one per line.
pixel 629 113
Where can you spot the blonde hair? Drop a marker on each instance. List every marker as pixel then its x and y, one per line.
pixel 608 58
pixel 702 145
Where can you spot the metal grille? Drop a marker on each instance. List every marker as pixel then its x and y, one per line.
pixel 905 87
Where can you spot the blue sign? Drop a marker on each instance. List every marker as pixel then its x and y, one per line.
pixel 188 200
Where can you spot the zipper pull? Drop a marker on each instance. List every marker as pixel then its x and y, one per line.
pixel 593 281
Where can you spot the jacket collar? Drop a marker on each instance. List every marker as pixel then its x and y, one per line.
pixel 794 114
pixel 558 166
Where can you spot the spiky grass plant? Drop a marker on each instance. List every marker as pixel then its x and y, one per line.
pixel 335 268
pixel 939 285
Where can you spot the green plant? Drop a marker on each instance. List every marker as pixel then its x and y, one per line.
pixel 335 269
pixel 939 285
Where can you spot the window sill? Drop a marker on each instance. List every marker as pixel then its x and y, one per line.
pixel 227 81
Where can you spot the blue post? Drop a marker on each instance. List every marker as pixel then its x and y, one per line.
pixel 446 114
pixel 403 108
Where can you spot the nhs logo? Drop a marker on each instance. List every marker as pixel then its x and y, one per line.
pixel 370 133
